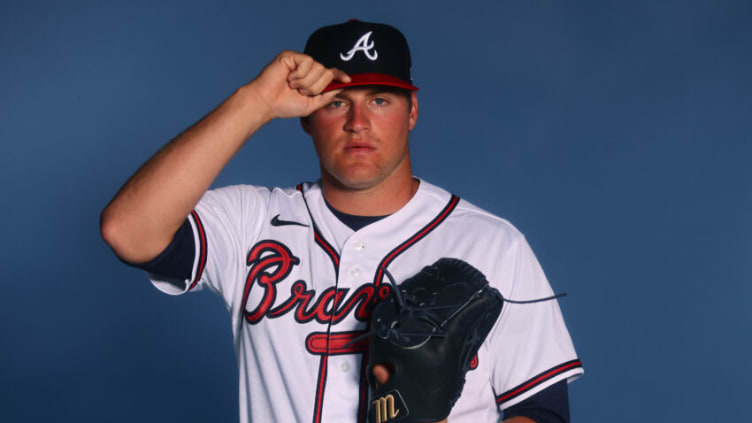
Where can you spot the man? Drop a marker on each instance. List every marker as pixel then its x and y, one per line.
pixel 301 268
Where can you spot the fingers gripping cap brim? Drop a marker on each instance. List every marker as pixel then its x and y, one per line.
pixel 372 79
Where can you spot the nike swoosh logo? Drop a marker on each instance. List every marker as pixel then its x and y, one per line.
pixel 276 221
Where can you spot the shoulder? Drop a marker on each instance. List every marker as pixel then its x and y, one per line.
pixel 247 204
pixel 489 243
pixel 473 220
pixel 244 192
pixel 238 190
pixel 479 218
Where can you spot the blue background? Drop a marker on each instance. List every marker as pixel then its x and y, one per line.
pixel 615 135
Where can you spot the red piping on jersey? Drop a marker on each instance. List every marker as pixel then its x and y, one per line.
pixel 325 245
pixel 415 238
pixel 332 253
pixel 202 248
pixel 537 380
pixel 320 389
pixel 326 344
pixel 318 237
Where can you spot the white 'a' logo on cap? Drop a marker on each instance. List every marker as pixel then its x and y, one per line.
pixel 363 44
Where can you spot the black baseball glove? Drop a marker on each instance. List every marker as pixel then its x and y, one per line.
pixel 427 332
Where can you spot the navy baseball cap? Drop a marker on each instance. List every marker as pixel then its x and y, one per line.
pixel 370 53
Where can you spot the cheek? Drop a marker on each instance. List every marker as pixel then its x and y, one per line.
pixel 323 133
pixel 397 127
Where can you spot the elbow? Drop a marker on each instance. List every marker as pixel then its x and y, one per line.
pixel 122 239
pixel 131 241
pixel 111 231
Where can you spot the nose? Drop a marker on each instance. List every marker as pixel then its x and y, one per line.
pixel 357 119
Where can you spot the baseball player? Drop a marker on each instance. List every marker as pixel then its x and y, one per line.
pixel 301 268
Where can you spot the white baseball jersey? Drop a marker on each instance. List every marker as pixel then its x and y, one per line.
pixel 299 285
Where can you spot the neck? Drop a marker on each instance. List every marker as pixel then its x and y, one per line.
pixel 380 200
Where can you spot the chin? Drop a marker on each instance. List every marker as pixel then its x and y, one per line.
pixel 358 183
pixel 360 176
pixel 355 180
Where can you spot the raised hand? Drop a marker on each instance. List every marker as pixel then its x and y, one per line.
pixel 291 85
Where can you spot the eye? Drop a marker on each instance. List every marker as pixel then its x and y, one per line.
pixel 336 104
pixel 380 101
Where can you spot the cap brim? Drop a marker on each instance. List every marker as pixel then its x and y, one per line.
pixel 372 79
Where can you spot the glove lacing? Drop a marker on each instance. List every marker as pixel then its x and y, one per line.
pixel 408 304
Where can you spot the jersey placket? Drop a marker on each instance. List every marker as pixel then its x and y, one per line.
pixel 350 270
pixel 344 362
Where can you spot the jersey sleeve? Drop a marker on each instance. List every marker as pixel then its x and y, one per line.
pixel 222 224
pixel 530 344
pixel 550 405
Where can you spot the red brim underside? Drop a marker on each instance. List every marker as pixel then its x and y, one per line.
pixel 372 79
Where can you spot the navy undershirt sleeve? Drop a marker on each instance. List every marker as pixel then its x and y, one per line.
pixel 176 261
pixel 550 405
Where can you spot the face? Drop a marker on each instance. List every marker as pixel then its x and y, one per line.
pixel 361 136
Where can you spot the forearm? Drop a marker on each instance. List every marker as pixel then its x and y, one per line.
pixel 144 215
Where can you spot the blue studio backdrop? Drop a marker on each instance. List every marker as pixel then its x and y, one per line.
pixel 616 135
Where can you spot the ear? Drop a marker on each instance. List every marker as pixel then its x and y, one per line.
pixel 413 117
pixel 306 124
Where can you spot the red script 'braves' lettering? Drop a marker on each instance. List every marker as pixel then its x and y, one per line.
pixel 271 262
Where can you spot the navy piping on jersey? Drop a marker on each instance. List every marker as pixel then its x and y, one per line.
pixel 537 380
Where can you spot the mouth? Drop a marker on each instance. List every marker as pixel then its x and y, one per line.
pixel 358 147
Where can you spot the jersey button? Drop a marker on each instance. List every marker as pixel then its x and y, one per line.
pixel 359 246
pixel 355 272
pixel 345 367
